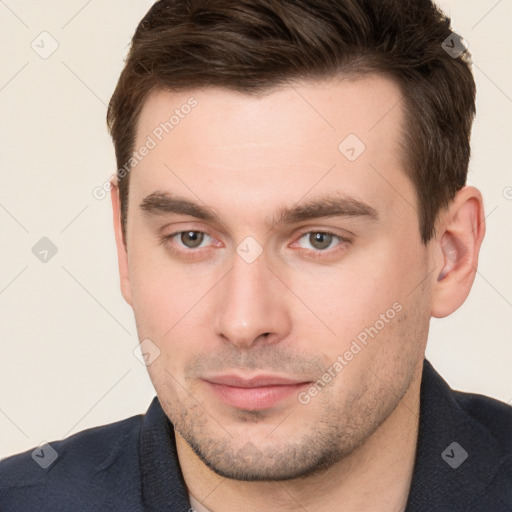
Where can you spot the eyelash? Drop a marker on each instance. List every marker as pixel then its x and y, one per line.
pixel 313 253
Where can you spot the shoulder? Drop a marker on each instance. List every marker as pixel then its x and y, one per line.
pixel 464 450
pixel 484 429
pixel 453 411
pixel 492 417
pixel 489 448
pixel 100 464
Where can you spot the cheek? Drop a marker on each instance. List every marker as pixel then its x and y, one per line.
pixel 351 297
pixel 369 300
pixel 170 307
pixel 154 303
pixel 162 291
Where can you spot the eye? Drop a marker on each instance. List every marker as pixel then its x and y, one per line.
pixel 320 240
pixel 189 239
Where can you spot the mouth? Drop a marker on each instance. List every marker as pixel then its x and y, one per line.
pixel 255 393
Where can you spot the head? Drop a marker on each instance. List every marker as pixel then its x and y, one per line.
pixel 291 202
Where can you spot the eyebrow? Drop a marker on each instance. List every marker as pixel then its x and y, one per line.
pixel 162 203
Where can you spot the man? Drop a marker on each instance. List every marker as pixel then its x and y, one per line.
pixel 290 211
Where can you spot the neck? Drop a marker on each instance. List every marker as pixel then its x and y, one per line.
pixel 375 477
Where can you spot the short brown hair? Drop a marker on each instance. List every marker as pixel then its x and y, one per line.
pixel 252 46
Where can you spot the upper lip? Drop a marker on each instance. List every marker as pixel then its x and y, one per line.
pixel 253 382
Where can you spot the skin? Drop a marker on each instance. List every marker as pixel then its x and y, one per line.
pixel 291 312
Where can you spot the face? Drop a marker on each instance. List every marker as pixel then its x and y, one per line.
pixel 275 264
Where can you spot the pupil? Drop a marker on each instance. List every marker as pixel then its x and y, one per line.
pixel 192 238
pixel 321 240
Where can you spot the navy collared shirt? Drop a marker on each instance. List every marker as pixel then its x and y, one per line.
pixel 463 462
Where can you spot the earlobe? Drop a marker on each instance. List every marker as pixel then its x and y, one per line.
pixel 460 233
pixel 122 250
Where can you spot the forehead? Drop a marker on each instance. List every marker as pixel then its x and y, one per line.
pixel 340 135
pixel 337 105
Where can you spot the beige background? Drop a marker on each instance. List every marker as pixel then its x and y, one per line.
pixel 67 336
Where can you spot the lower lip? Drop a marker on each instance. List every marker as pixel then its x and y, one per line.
pixel 255 399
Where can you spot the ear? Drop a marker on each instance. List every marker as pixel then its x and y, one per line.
pixel 122 250
pixel 457 244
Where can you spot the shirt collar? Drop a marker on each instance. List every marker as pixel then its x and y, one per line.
pixel 163 486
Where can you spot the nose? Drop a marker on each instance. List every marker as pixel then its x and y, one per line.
pixel 251 306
